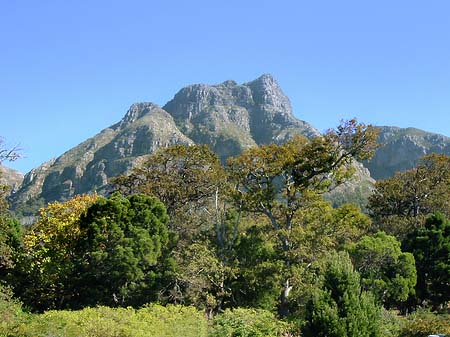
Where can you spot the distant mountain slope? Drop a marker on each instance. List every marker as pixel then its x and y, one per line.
pixel 228 117
pixel 10 177
pixel 87 167
pixel 402 148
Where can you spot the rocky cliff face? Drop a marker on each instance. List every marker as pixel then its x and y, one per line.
pixel 402 148
pixel 229 117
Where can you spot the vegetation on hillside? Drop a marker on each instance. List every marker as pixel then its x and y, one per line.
pixel 187 246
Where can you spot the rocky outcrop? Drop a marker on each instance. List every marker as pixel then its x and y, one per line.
pixel 401 149
pixel 231 117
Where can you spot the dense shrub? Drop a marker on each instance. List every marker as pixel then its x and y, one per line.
pixel 248 323
pixel 424 323
pixel 154 320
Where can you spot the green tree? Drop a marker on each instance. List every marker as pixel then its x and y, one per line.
pixel 10 229
pixel 338 307
pixel 430 246
pixel 400 204
pixel 122 252
pixel 385 270
pixel 277 180
pixel 187 179
pixel 46 263
pixel 191 181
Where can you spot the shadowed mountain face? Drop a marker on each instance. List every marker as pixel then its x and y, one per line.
pixel 228 117
pixel 402 148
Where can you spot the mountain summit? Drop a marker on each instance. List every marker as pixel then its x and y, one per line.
pixel 229 117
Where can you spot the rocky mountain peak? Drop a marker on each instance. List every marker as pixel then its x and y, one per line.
pixel 267 92
pixel 136 111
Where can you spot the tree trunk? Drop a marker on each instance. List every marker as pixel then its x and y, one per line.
pixel 283 310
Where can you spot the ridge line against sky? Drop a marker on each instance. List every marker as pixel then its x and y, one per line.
pixel 69 69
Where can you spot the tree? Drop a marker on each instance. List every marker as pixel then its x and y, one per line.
pixel 9 154
pixel 338 307
pixel 430 246
pixel 276 180
pixel 10 229
pixel 385 270
pixel 188 179
pixel 122 252
pixel 46 263
pixel 400 204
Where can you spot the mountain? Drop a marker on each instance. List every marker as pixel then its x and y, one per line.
pixel 229 117
pixel 401 149
pixel 10 177
pixel 88 166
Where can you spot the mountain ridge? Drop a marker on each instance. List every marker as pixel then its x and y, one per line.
pixel 229 117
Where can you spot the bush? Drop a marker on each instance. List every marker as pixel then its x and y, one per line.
pixel 424 323
pixel 10 311
pixel 154 320
pixel 248 323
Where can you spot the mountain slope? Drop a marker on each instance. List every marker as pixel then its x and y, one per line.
pixel 402 148
pixel 228 117
pixel 88 166
pixel 10 177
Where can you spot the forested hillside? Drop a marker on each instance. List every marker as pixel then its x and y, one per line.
pixel 187 244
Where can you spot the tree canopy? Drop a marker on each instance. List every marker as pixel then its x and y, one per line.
pixel 430 246
pixel 401 203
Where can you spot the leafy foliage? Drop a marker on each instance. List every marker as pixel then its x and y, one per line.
pixel 120 252
pixel 276 181
pixel 46 264
pixel 430 246
pixel 385 270
pixel 249 323
pixel 401 203
pixel 338 308
pixel 424 323
pixel 185 178
pixel 152 320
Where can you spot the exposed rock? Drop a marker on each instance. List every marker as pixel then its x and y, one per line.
pixel 402 148
pixel 231 117
pixel 89 166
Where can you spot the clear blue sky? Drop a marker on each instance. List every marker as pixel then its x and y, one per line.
pixel 71 68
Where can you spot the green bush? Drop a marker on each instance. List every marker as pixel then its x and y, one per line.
pixel 154 320
pixel 424 323
pixel 10 311
pixel 248 323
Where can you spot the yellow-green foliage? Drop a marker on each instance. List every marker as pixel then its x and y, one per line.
pixel 151 321
pixel 249 323
pixel 424 323
pixel 154 320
